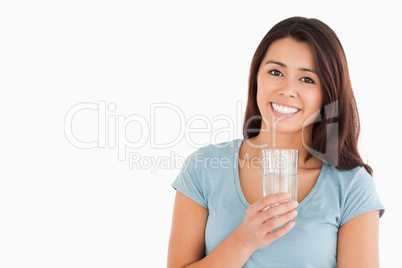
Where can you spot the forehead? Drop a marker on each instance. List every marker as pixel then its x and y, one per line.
pixel 291 53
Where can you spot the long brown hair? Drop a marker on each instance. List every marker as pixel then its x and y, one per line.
pixel 338 134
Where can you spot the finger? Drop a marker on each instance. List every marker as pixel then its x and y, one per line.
pixel 279 221
pixel 272 236
pixel 270 200
pixel 277 210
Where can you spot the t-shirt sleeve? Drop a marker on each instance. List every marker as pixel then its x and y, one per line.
pixel 361 197
pixel 189 181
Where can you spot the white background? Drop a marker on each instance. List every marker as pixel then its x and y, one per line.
pixel 65 206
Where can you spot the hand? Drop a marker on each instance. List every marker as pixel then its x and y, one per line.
pixel 256 229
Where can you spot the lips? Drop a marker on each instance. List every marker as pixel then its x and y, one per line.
pixel 282 110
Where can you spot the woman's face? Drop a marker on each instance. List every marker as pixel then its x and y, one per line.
pixel 289 93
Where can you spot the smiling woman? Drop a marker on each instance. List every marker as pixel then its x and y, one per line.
pixel 300 97
pixel 288 88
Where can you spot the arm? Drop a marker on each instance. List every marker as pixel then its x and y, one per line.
pixel 358 241
pixel 187 243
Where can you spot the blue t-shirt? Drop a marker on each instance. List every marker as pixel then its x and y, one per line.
pixel 210 177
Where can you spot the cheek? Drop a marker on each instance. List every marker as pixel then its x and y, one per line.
pixel 312 103
pixel 260 92
pixel 264 89
pixel 262 99
pixel 314 100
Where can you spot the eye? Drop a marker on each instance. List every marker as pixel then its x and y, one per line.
pixel 275 73
pixel 307 80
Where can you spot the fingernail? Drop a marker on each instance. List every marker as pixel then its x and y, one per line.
pixel 295 203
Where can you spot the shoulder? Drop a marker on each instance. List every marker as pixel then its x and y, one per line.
pixel 357 192
pixel 219 148
pixel 346 179
pixel 215 158
pixel 214 153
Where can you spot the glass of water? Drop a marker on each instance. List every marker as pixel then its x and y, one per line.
pixel 280 169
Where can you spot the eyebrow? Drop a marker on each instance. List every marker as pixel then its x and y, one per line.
pixel 284 65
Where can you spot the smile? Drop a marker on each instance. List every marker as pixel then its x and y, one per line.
pixel 283 111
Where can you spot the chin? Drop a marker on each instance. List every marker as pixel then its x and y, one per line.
pixel 287 130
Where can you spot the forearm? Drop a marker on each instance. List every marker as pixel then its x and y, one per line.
pixel 231 252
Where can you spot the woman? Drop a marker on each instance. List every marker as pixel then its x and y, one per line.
pixel 300 97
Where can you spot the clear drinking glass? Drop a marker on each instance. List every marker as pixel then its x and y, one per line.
pixel 280 170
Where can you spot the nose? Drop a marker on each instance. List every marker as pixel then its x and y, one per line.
pixel 288 90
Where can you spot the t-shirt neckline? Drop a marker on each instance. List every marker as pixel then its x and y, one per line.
pixel 240 192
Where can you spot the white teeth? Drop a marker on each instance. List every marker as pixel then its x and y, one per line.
pixel 284 110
